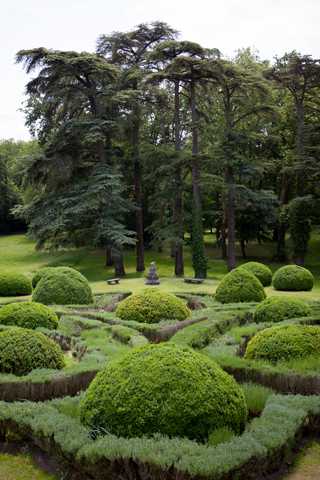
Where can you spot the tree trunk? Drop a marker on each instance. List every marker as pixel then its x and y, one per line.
pixel 178 203
pixel 231 218
pixel 198 252
pixel 109 260
pixel 243 248
pixel 118 260
pixel 138 192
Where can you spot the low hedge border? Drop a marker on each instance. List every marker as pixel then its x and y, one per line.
pixel 265 447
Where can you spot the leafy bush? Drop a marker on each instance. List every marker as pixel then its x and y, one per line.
pixel 28 315
pixel 293 278
pixel 277 309
pixel 13 284
pixel 240 286
pixel 151 306
pixel 256 397
pixel 22 351
pixel 284 343
pixel 123 333
pixel 62 289
pixel 259 270
pixel 49 271
pixel 220 435
pixel 166 389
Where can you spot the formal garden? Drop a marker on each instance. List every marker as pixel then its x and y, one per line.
pixel 159 261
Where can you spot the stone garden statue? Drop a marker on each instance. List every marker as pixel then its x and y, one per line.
pixel 152 277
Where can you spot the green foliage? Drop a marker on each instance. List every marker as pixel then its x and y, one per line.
pixel 259 270
pixel 28 315
pixel 23 350
pixel 152 306
pixel 220 435
pixel 49 271
pixel 14 284
pixel 256 397
pixel 199 260
pixel 293 278
pixel 122 333
pixel 240 286
pixel 300 225
pixel 62 289
pixel 277 309
pixel 284 343
pixel 163 389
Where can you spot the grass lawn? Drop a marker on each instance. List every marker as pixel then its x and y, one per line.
pixel 20 467
pixel 17 252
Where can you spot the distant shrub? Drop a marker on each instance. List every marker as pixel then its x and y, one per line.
pixel 259 270
pixel 284 343
pixel 163 389
pixel 13 284
pixel 151 306
pixel 277 309
pixel 22 351
pixel 50 271
pixel 293 278
pixel 62 289
pixel 239 285
pixel 28 315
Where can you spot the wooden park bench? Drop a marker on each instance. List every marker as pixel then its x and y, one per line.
pixel 197 281
pixel 113 281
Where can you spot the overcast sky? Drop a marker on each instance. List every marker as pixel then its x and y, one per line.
pixel 271 26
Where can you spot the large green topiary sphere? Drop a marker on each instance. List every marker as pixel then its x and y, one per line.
pixel 50 271
pixel 22 351
pixel 28 315
pixel 240 286
pixel 293 278
pixel 13 284
pixel 259 270
pixel 276 309
pixel 163 389
pixel 62 289
pixel 151 306
pixel 284 343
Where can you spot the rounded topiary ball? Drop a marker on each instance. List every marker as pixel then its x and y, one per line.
pixel 22 351
pixel 151 306
pixel 240 286
pixel 13 284
pixel 293 278
pixel 62 289
pixel 28 315
pixel 284 343
pixel 163 389
pixel 259 270
pixel 49 271
pixel 276 309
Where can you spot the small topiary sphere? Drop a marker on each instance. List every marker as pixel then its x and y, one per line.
pixel 151 306
pixel 276 309
pixel 62 289
pixel 259 270
pixel 49 271
pixel 163 389
pixel 13 284
pixel 293 278
pixel 22 351
pixel 28 315
pixel 284 343
pixel 239 285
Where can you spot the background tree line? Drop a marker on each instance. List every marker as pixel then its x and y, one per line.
pixel 151 140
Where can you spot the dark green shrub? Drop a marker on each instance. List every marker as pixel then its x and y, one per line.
pixel 22 351
pixel 259 270
pixel 28 315
pixel 13 284
pixel 166 389
pixel 277 309
pixel 240 286
pixel 293 278
pixel 49 271
pixel 151 306
pixel 284 343
pixel 62 289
